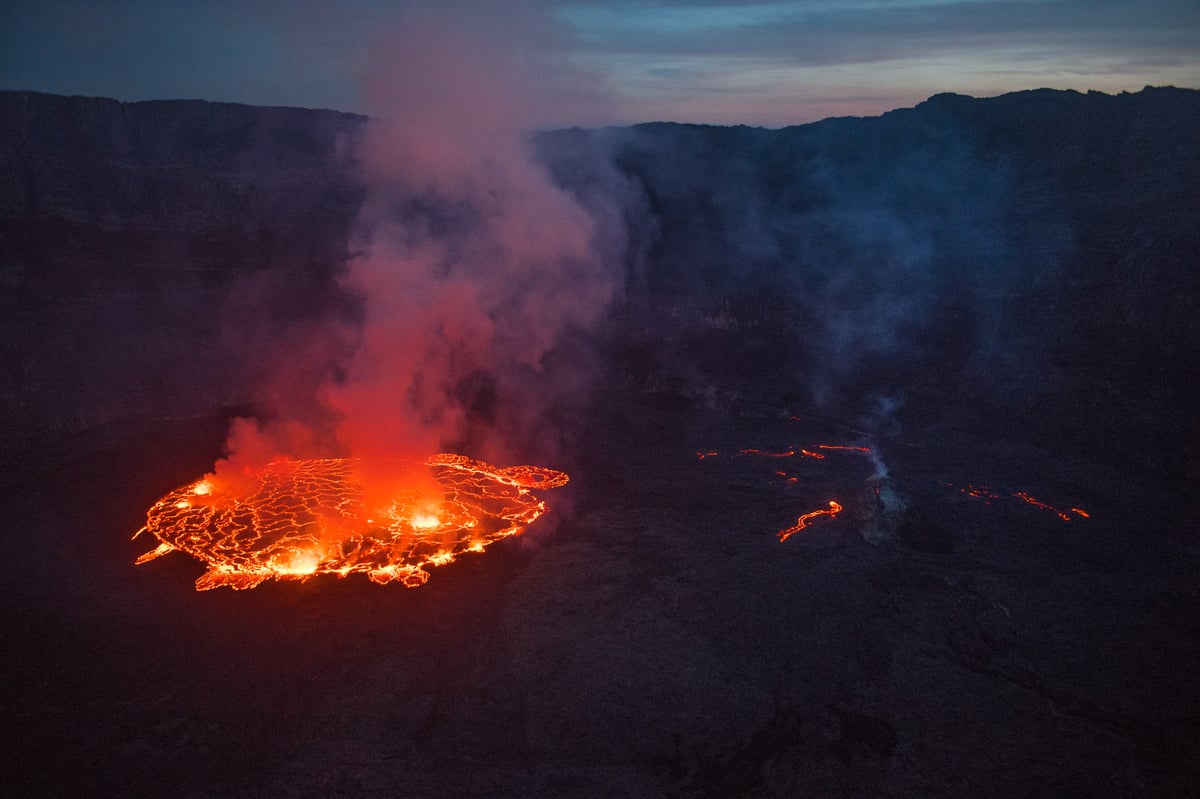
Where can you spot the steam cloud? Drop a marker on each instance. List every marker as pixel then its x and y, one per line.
pixel 858 263
pixel 478 279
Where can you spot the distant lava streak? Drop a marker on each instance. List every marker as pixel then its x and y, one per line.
pixel 979 492
pixel 788 453
pixel 989 496
pixel 1066 517
pixel 807 519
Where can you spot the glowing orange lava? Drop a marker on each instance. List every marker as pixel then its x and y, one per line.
pixel 989 496
pixel 980 492
pixel 787 453
pixel 807 519
pixel 297 518
pixel 765 454
pixel 1062 514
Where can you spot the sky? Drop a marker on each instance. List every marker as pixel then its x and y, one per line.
pixel 616 62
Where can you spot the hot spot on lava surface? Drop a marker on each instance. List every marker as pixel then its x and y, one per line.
pixel 293 519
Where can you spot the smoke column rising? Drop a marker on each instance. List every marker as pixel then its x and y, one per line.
pixel 474 266
pixel 477 278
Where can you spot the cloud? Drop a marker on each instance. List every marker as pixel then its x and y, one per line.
pixel 688 60
pixel 787 62
pixel 855 32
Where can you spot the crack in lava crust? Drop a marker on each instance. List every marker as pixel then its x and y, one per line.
pixel 297 518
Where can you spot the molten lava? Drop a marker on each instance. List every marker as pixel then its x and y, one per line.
pixel 978 492
pixel 1062 514
pixel 788 453
pixel 765 454
pixel 297 518
pixel 989 496
pixel 807 519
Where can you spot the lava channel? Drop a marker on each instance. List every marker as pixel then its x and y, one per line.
pixel 807 519
pixel 294 519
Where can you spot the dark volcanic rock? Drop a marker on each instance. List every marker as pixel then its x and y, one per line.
pixel 131 235
pixel 1023 261
pixel 920 531
pixel 1026 259
pixel 184 167
pixel 995 292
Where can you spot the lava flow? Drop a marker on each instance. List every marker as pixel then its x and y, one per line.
pixel 297 518
pixel 989 496
pixel 1062 514
pixel 807 519
pixel 765 454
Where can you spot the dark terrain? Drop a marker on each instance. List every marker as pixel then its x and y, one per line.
pixel 997 292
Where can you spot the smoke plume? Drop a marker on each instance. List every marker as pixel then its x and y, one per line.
pixel 477 279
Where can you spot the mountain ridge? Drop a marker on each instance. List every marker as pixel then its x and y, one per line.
pixel 1042 242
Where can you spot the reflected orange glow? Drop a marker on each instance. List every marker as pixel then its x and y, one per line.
pixel 297 518
pixel 807 519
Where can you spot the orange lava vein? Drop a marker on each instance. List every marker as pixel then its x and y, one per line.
pixel 1066 517
pixel 293 519
pixel 765 454
pixel 807 519
pixel 988 495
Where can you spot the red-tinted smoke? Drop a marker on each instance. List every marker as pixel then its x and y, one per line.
pixel 473 265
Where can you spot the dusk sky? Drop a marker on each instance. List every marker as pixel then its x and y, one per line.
pixel 614 62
